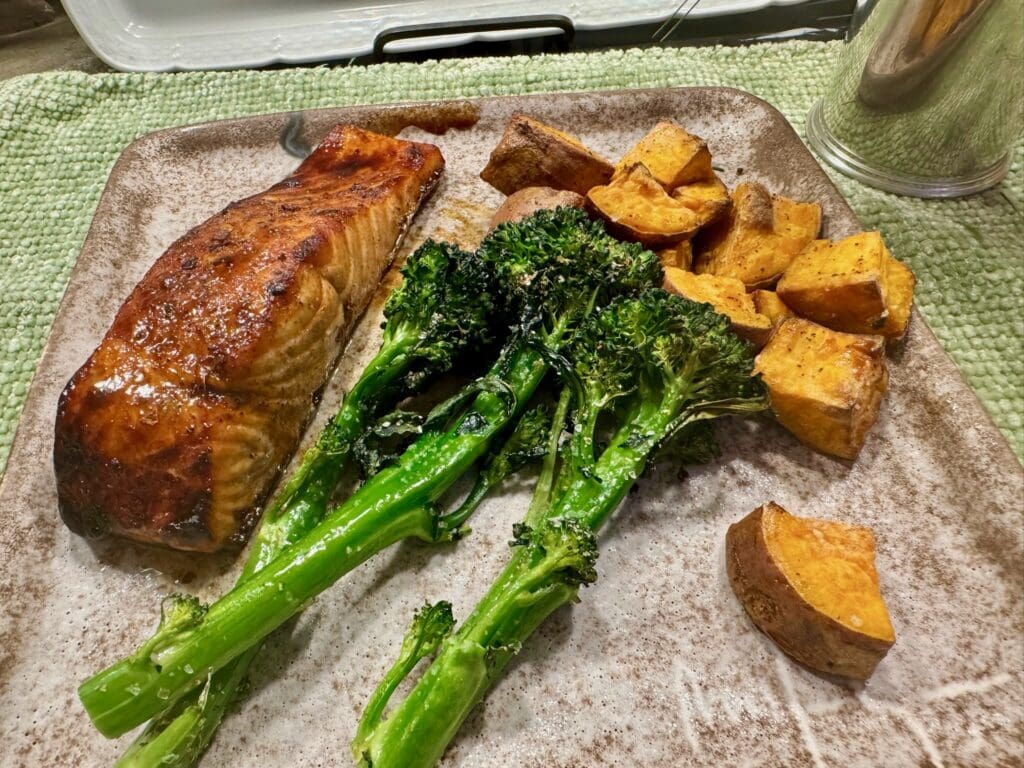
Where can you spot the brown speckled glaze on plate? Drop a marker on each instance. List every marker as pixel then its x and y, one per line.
pixel 658 665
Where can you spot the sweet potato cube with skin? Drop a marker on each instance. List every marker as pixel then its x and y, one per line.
pixel 532 154
pixel 727 295
pixel 812 587
pixel 679 255
pixel 771 306
pixel 899 298
pixel 840 285
pixel 825 387
pixel 529 200
pixel 636 207
pixel 708 199
pixel 758 237
pixel 673 156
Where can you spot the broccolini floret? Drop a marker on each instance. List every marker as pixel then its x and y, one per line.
pixel 445 305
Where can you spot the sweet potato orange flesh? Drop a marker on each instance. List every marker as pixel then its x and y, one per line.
pixel 853 285
pixel 771 306
pixel 795 222
pixel 899 298
pixel 825 387
pixel 636 207
pixel 758 237
pixel 832 567
pixel 840 285
pixel 811 585
pixel 709 199
pixel 672 155
pixel 679 255
pixel 727 295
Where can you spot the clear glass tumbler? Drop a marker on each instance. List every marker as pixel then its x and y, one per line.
pixel 927 97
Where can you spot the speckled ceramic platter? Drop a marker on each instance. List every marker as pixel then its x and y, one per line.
pixel 658 665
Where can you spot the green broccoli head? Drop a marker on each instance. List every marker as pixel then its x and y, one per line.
pixel 556 265
pixel 696 351
pixel 662 363
pixel 606 358
pixel 335 438
pixel 445 306
pixel 178 612
pixel 560 551
pixel 695 444
pixel 430 626
pixel 661 344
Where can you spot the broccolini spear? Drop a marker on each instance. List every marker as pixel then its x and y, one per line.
pixel 443 308
pixel 555 268
pixel 656 366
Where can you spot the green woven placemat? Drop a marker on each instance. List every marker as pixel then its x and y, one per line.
pixel 61 132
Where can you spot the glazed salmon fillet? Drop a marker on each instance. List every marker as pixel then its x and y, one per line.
pixel 176 427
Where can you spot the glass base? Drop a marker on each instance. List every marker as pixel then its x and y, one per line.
pixel 845 160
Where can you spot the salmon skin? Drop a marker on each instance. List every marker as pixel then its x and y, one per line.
pixel 178 424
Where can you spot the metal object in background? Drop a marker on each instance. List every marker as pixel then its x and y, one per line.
pixel 927 97
pixel 808 20
pixel 516 25
pixel 687 24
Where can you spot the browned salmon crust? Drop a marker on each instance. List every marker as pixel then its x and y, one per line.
pixel 175 428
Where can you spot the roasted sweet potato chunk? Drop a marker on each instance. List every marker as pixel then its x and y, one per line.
pixel 812 587
pixel 826 387
pixel 727 295
pixel 532 154
pixel 796 223
pixel 709 199
pixel 839 285
pixel 853 285
pixel 899 298
pixel 529 200
pixel 757 238
pixel 771 306
pixel 679 255
pixel 636 207
pixel 673 156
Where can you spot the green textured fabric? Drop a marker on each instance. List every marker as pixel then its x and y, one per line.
pixel 61 132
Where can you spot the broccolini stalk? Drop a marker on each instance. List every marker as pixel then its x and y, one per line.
pixel 657 366
pixel 555 268
pixel 430 625
pixel 442 309
pixel 179 737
